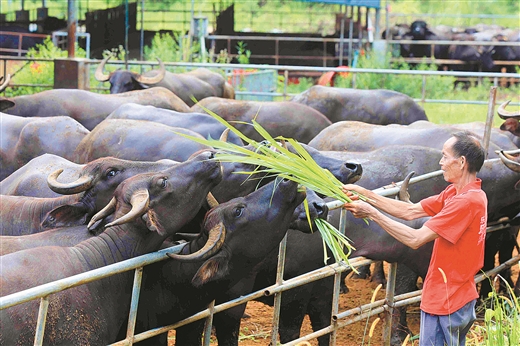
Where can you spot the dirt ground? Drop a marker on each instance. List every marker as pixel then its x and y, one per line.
pixel 256 330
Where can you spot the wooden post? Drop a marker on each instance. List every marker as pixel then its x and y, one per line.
pixel 489 119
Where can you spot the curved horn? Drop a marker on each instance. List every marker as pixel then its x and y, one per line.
pixel 107 210
pixel 403 193
pixel 502 113
pixel 5 83
pixel 224 135
pixel 216 238
pixel 509 161
pixel 155 79
pixel 139 202
pixel 81 184
pixel 100 75
pixel 212 201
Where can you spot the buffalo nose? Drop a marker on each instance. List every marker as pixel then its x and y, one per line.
pixel 354 167
pixel 321 209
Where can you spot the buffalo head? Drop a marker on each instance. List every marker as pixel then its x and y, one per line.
pixel 122 80
pixel 253 226
pixel 419 29
pixel 152 196
pixel 97 181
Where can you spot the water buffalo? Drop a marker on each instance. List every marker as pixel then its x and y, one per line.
pixel 25 138
pixel 147 208
pixel 204 124
pixel 137 140
pixel 197 84
pixel 359 136
pixel 86 107
pixel 86 195
pixel 278 118
pixel 31 179
pixel 370 106
pixel 173 290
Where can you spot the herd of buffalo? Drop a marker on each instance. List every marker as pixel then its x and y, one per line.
pixel 89 179
pixel 474 57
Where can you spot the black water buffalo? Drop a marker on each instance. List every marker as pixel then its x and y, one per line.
pixel 419 31
pixel 204 124
pixel 370 106
pixel 196 84
pixel 146 209
pixel 31 179
pixel 278 118
pixel 86 195
pixel 137 140
pixel 25 138
pixel 359 136
pixel 254 225
pixel 86 107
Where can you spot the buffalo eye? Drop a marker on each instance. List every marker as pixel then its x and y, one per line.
pixel 111 173
pixel 162 182
pixel 238 211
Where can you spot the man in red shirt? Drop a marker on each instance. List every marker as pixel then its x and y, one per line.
pixel 458 227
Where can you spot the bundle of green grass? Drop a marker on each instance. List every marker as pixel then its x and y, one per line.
pixel 273 158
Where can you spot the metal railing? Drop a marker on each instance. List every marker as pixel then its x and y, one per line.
pixel 43 292
pixel 288 71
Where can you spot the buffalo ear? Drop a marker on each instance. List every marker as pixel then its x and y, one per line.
pixel 6 104
pixel 152 222
pixel 213 269
pixel 66 215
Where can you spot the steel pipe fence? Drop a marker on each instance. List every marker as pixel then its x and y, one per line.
pixel 44 291
pixel 287 70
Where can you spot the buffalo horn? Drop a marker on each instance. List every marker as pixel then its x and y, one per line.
pixel 5 83
pixel 224 135
pixel 502 113
pixel 155 79
pixel 107 210
pixel 509 161
pixel 403 193
pixel 212 201
pixel 81 184
pixel 139 202
pixel 216 238
pixel 100 75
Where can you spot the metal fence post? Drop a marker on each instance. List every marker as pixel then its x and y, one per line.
pixel 390 292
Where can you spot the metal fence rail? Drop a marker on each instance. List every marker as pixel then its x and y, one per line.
pixel 338 319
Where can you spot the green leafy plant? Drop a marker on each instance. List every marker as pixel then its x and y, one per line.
pixel 501 319
pixel 243 54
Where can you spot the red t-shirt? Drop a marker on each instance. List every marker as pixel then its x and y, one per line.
pixel 460 221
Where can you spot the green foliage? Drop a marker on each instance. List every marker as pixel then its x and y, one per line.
pixel 411 85
pixel 501 319
pixel 39 73
pixel 243 53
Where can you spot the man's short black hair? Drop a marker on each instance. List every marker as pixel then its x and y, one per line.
pixel 469 146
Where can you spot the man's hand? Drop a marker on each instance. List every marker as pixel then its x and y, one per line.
pixel 360 209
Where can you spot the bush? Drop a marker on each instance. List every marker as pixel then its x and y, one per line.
pixel 411 85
